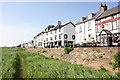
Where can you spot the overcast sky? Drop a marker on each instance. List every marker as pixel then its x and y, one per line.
pixel 21 21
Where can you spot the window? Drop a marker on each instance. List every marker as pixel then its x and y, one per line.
pixel 50 38
pixel 80 28
pixel 55 31
pixel 60 36
pixel 55 37
pixel 59 29
pixel 89 35
pixel 97 28
pixel 73 36
pixel 40 44
pixel 89 26
pixel 89 39
pixel 47 33
pixel 114 24
pixel 46 39
pixel 118 22
pixel 65 36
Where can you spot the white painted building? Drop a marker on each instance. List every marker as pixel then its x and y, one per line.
pixel 27 44
pixel 108 27
pixel 38 40
pixel 101 27
pixel 56 36
pixel 89 28
pixel 85 29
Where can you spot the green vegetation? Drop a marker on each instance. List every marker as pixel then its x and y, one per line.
pixel 93 59
pixel 117 59
pixel 19 63
pixel 110 63
pixel 110 51
pixel 100 56
pixel 67 50
pixel 103 53
pixel 116 64
pixel 87 59
pixel 97 50
pixel 10 62
pixel 43 51
pixel 83 59
pixel 102 68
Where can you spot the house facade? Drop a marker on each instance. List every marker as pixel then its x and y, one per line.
pixel 56 36
pixel 102 27
pixel 27 44
pixel 85 29
pixel 108 27
pixel 92 28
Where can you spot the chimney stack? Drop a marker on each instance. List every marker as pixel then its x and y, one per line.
pixel 103 7
pixel 59 22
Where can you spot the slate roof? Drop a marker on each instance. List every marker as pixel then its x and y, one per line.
pixel 99 15
pixel 60 26
pixel 54 28
pixel 85 20
pixel 110 12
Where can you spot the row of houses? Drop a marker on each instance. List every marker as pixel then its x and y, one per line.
pixel 102 27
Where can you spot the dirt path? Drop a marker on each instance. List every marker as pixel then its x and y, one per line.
pixel 19 66
pixel 21 73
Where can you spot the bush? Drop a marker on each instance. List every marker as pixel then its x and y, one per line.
pixel 97 50
pixel 100 56
pixel 67 50
pixel 87 59
pixel 93 59
pixel 116 64
pixel 110 51
pixel 110 63
pixel 42 51
pixel 117 58
pixel 102 68
pixel 83 59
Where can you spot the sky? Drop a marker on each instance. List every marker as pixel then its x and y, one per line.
pixel 21 21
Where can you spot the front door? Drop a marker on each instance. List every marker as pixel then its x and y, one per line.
pixel 103 40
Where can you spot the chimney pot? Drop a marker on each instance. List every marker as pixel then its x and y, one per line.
pixel 59 22
pixel 103 7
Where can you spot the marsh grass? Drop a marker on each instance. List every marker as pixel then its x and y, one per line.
pixel 38 66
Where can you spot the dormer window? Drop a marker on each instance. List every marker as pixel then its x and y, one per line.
pixel 90 16
pixel 82 19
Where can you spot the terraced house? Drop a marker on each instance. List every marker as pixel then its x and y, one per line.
pixel 108 27
pixel 101 27
pixel 56 36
